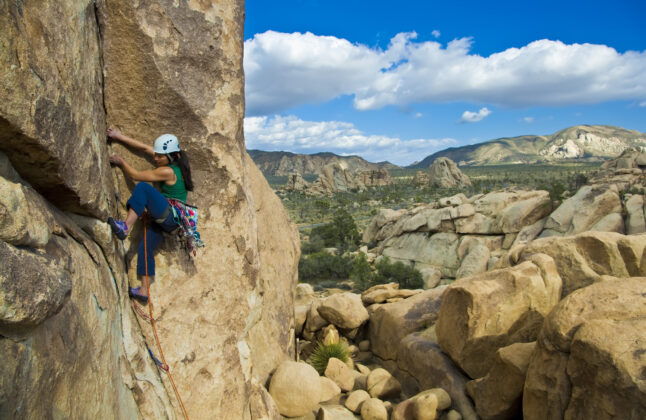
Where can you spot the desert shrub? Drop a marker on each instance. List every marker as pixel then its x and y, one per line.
pixel 398 272
pixel 361 274
pixel 324 352
pixel 323 266
pixel 315 244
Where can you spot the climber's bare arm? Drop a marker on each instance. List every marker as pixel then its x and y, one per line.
pixel 117 135
pixel 151 175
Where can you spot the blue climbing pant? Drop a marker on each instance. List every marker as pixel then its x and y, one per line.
pixel 147 197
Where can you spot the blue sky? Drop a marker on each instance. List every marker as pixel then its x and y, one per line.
pixel 399 82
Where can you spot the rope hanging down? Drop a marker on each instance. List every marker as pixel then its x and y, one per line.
pixel 162 365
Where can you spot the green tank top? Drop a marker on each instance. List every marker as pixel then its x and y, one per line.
pixel 178 189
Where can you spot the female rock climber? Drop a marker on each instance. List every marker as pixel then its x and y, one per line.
pixel 173 175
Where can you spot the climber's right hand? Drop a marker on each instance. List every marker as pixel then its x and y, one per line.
pixel 114 134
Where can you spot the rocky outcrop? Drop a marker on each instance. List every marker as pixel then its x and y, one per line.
pixel 70 340
pixel 373 178
pixel 444 173
pixel 457 235
pixel 590 355
pixel 285 163
pixel 295 182
pixel 335 177
pixel 584 259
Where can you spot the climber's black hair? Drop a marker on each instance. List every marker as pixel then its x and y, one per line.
pixel 181 160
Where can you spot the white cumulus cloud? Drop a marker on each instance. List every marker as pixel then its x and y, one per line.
pixel 300 136
pixel 286 70
pixel 470 116
pixel 436 33
pixel 528 119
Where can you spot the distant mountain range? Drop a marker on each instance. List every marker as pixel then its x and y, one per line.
pixel 578 143
pixel 284 163
pixel 581 143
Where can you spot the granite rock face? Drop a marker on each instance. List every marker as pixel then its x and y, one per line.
pixel 70 340
pixel 52 121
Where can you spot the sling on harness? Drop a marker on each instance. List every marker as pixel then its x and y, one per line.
pixel 185 216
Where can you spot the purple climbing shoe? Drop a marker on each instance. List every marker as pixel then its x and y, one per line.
pixel 134 293
pixel 119 228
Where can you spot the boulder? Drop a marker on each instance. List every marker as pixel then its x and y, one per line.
pixel 453 201
pixel 526 212
pixel 381 384
pixel 329 390
pixel 431 277
pixel 425 407
pixel 498 395
pixel 334 412
pixel 344 310
pixel 583 210
pixel 475 262
pixel 340 373
pixel 583 259
pixel 304 294
pixel 314 320
pixel 635 222
pixel 296 388
pixel 355 399
pixel 382 292
pixel 483 313
pixel 390 323
pixel 373 409
pixel 300 316
pixel 444 173
pixel 529 233
pixel 431 367
pixel 590 355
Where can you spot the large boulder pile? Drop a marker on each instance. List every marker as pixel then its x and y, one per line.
pixel 335 177
pixel 71 342
pixel 373 178
pixel 457 236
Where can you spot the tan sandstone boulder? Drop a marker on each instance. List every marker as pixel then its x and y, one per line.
pixel 483 313
pixel 583 259
pixel 296 388
pixel 431 367
pixel 635 222
pixel 582 211
pixel 590 356
pixel 498 395
pixel 344 310
pixel 340 373
pixel 373 409
pixel 381 384
pixel 390 323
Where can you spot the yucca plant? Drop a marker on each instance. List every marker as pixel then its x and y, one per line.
pixel 324 352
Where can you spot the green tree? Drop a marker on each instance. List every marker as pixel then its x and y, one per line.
pixel 398 272
pixel 361 274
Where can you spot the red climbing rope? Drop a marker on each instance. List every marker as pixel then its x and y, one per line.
pixel 152 322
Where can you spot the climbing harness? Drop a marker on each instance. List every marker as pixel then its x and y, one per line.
pixel 163 366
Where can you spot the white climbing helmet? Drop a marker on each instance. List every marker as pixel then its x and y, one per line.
pixel 165 144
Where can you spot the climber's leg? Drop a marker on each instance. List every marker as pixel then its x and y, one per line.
pixel 145 196
pixel 146 255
